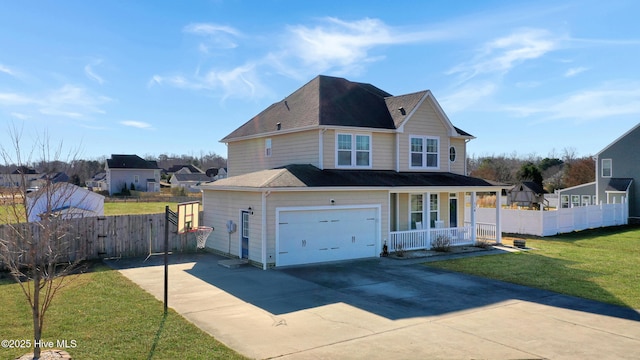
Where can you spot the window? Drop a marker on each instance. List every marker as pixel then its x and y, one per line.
pixel 245 224
pixel 606 168
pixel 433 209
pixel 136 178
pixel 564 201
pixel 452 154
pixel 267 147
pixel 586 200
pixel 575 200
pixel 353 150
pixel 424 152
pixel 416 211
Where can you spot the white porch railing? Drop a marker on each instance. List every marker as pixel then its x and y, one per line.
pixel 427 238
pixel 484 231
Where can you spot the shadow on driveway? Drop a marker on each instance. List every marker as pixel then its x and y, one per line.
pixel 378 286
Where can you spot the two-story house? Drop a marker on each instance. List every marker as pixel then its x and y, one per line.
pixel 337 170
pixel 124 170
pixel 617 166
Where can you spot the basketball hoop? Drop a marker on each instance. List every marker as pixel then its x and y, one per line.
pixel 202 233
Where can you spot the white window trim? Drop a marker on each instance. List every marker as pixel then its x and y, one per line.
pixel 610 168
pixel 267 147
pixel 575 200
pixel 424 152
pixel 411 212
pixel 354 151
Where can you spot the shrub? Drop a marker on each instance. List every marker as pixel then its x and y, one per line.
pixel 442 243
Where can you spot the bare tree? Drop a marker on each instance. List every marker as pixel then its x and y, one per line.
pixel 37 253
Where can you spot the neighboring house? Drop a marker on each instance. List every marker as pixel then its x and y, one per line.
pixel 98 182
pixel 52 178
pixel 184 169
pixel 124 170
pixel 64 200
pixel 188 180
pixel 16 177
pixel 526 193
pixel 335 171
pixel 617 175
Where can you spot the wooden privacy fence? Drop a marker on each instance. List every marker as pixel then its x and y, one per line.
pixel 111 236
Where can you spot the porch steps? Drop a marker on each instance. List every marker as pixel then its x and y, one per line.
pixel 233 263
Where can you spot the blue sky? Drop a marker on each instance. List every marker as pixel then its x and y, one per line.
pixel 154 77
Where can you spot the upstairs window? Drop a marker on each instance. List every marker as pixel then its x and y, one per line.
pixel 353 150
pixel 424 152
pixel 452 154
pixel 267 147
pixel 606 168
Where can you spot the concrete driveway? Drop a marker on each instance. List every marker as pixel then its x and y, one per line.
pixel 384 309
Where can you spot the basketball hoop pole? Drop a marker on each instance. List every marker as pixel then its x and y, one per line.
pixel 170 217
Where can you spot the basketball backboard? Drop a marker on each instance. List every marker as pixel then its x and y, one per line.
pixel 188 216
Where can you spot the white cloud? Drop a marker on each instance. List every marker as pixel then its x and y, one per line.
pixel 501 55
pixel 7 70
pixel 467 96
pixel 91 74
pixel 216 36
pixel 136 124
pixel 575 71
pixel 20 116
pixel 609 100
pixel 68 101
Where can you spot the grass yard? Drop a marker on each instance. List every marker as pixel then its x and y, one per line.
pixel 132 208
pixel 601 264
pixel 109 317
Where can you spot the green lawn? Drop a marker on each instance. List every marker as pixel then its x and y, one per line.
pixel 601 264
pixel 127 208
pixel 109 317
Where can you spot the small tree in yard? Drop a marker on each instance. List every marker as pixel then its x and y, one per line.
pixel 36 253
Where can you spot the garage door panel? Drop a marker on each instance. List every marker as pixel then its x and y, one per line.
pixel 311 236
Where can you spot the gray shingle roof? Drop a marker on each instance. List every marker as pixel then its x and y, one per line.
pixel 311 176
pixel 619 184
pixel 192 177
pixel 130 162
pixel 327 100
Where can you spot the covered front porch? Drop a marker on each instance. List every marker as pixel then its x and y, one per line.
pixel 436 218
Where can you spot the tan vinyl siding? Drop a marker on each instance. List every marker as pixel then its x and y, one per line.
pixel 382 144
pixel 319 198
pixel 424 122
pixel 221 206
pixel 247 156
pixel 457 167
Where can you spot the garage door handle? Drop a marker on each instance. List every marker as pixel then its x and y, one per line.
pixel 371 245
pixel 335 248
pixel 283 252
pixel 324 249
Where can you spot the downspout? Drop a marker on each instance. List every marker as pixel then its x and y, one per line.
pixel 397 152
pixel 264 228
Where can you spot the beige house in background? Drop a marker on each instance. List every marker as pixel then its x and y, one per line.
pixel 336 171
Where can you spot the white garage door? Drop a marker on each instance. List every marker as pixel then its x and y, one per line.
pixel 311 236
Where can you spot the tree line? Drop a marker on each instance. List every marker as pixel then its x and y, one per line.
pixel 551 172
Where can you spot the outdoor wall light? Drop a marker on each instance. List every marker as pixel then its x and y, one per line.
pixel 332 201
pixel 250 210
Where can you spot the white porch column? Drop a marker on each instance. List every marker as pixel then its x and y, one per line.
pixel 472 205
pixel 498 218
pixel 426 207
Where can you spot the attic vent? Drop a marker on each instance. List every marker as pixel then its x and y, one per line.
pixel 278 126
pixel 402 111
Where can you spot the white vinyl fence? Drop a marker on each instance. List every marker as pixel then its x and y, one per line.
pixel 547 223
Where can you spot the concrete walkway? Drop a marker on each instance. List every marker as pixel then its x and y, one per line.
pixel 384 309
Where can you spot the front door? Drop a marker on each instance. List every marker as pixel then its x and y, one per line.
pixel 244 235
pixel 453 211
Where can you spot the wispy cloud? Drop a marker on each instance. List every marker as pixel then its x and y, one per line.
pixel 20 116
pixel 575 71
pixel 467 96
pixel 7 70
pixel 501 55
pixel 90 72
pixel 69 101
pixel 136 124
pixel 610 100
pixel 215 36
